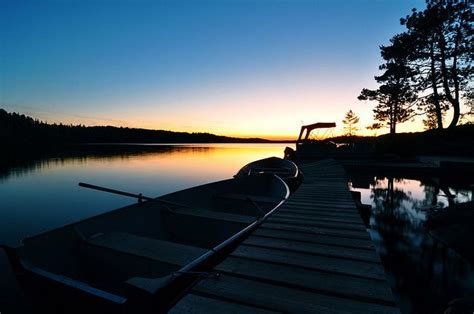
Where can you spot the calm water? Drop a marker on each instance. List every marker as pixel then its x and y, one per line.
pixel 42 194
pixel 424 274
pixel 45 195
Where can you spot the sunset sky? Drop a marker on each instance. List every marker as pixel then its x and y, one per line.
pixel 240 68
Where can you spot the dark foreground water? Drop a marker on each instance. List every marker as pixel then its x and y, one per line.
pixel 424 274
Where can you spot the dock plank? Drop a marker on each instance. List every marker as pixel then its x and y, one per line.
pixel 322 239
pixel 279 298
pixel 310 261
pixel 335 205
pixel 339 285
pixel 311 217
pixel 192 303
pixel 313 248
pixel 316 230
pixel 341 199
pixel 319 212
pixel 317 223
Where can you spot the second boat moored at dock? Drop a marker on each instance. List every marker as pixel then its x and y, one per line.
pixel 285 169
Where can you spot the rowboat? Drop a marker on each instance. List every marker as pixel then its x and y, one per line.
pixel 285 169
pixel 141 258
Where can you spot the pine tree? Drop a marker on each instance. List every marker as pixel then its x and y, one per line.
pixel 441 52
pixel 395 96
pixel 350 123
pixel 374 127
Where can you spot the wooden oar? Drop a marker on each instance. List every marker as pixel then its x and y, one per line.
pixel 139 196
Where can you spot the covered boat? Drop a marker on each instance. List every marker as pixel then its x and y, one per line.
pixel 312 142
pixel 285 169
pixel 315 141
pixel 141 258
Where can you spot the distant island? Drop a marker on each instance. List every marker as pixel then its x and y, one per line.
pixel 20 130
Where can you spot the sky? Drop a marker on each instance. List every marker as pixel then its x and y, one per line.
pixel 240 68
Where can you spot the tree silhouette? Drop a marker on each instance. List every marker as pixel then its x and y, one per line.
pixel 395 96
pixel 432 60
pixel 18 130
pixel 441 52
pixel 350 123
pixel 466 117
pixel 432 119
pixel 374 127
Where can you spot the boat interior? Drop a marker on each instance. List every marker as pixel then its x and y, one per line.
pixel 153 239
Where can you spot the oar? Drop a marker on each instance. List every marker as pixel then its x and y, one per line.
pixel 139 196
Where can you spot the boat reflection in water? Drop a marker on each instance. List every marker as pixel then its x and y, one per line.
pixel 424 273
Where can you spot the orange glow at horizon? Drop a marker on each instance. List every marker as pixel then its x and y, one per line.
pixel 267 109
pixel 286 133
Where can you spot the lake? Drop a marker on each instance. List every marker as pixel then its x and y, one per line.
pixel 44 194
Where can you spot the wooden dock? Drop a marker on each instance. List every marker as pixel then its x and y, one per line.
pixel 313 255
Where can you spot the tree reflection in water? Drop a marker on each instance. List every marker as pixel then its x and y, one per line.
pixel 424 274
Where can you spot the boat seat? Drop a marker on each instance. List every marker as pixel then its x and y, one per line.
pixel 244 197
pixel 158 250
pixel 215 215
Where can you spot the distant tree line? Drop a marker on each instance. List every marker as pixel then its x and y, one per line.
pixel 20 130
pixel 428 68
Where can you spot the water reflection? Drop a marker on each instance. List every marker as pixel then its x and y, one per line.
pixel 425 275
pixel 40 192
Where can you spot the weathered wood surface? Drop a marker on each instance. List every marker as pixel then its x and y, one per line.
pixel 313 255
pixel 193 303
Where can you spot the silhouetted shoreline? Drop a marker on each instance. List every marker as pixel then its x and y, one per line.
pixel 19 130
pixel 23 134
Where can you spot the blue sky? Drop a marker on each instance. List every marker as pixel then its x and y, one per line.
pixel 229 67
